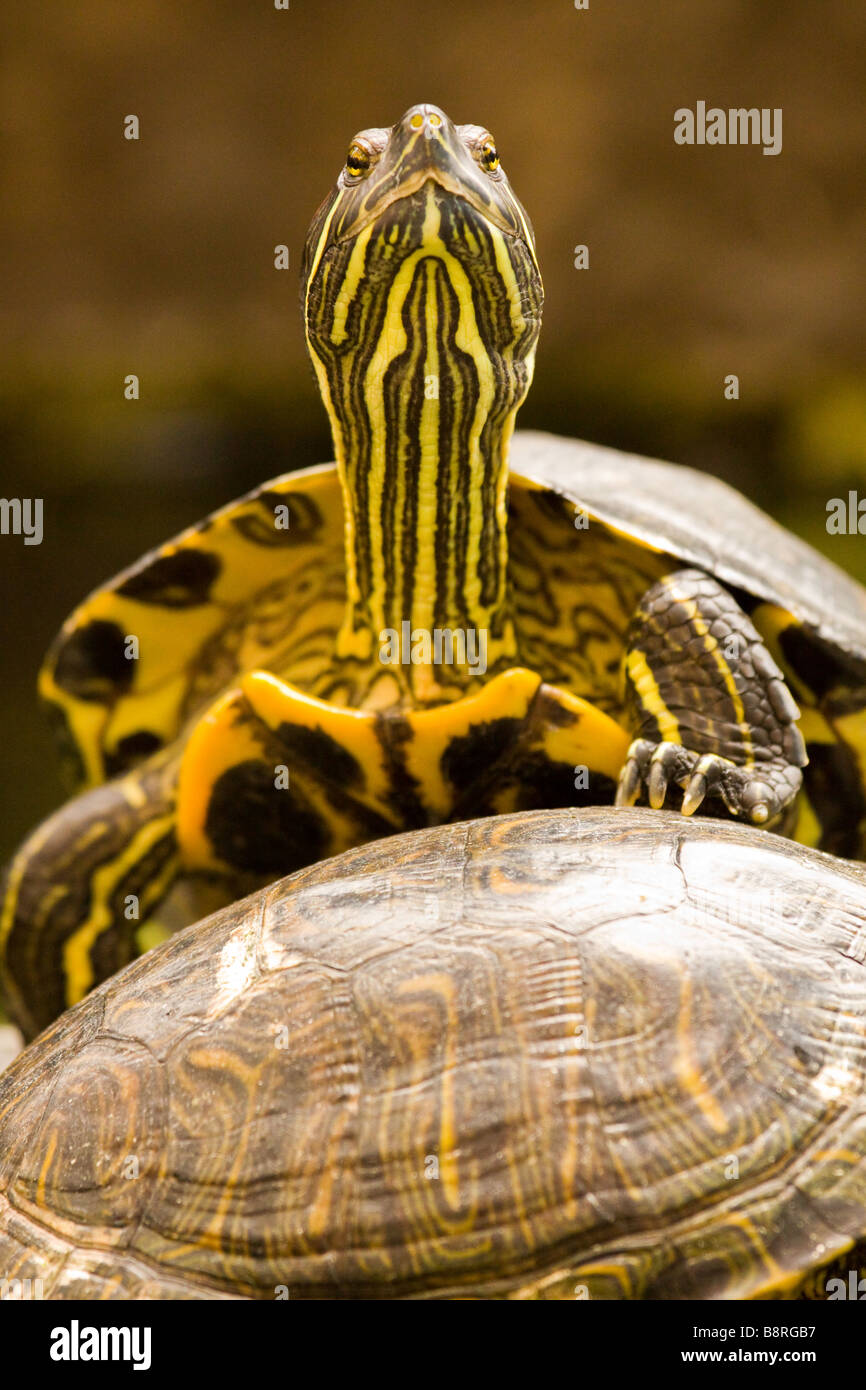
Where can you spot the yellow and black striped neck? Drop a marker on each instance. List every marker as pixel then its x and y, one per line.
pixel 422 320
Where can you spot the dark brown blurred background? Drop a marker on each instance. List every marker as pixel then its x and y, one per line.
pixel 156 257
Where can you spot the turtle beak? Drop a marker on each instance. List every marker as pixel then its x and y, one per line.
pixel 425 145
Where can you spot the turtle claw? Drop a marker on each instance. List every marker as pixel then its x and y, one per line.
pixel 655 765
pixel 758 795
pixel 629 783
pixel 694 793
pixel 658 784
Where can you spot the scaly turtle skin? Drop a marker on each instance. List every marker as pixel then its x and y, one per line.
pixel 437 626
pixel 547 1055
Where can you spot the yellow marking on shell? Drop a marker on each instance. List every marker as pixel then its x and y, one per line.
pixel 42 1180
pixel 217 742
pixel 808 829
pixel 443 986
pixel 848 1156
pixel 650 696
pixel 319 1211
pixel 771 621
pixel 86 720
pixel 605 1270
pixel 628 1177
pixel 135 794
pixel 508 695
pixel 150 934
pixel 712 646
pixel 814 727
pixel 784 1286
pixel 628 537
pixel 225 736
pixel 595 741
pixel 779 1275
pixel 174 642
pixel 505 800
pixel 17 870
pixel 687 1072
pixel 78 970
pixel 575 574
pixel 154 700
pixel 502 886
pixel 225 1064
pixel 276 703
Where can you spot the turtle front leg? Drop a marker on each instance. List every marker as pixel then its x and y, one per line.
pixel 709 706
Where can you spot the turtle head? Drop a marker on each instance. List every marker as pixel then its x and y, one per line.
pixel 386 176
pixel 422 306
pixel 421 211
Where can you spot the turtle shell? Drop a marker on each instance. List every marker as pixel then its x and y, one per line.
pixel 596 1054
pixel 236 592
pixel 590 531
pixel 810 614
pixel 703 522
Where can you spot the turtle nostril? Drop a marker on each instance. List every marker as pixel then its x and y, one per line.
pixel 426 118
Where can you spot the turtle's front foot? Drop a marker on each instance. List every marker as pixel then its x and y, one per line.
pixel 708 706
pixel 759 794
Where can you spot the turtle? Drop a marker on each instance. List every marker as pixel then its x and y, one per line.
pixel 571 1054
pixel 450 620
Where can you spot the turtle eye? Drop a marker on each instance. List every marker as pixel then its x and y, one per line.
pixel 488 157
pixel 357 160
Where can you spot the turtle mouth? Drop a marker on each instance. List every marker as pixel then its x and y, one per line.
pixel 397 206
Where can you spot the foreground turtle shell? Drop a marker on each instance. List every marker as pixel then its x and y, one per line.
pixel 555 1054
